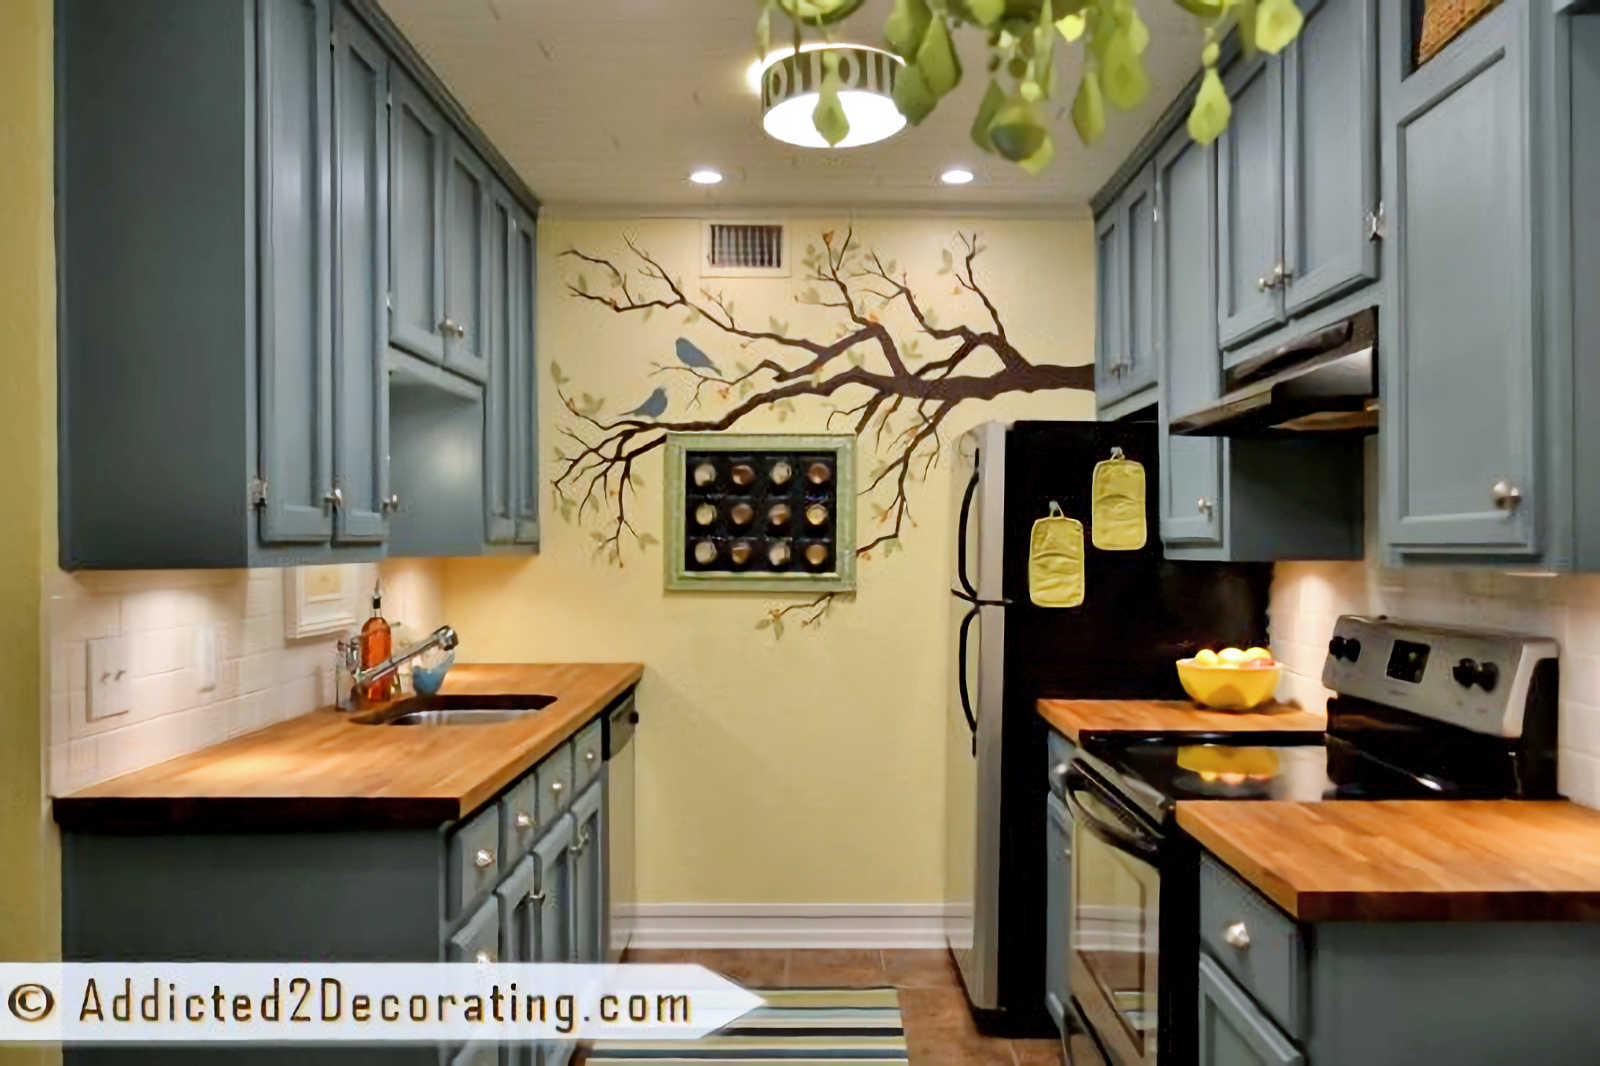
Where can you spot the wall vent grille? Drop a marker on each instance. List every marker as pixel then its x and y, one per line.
pixel 744 250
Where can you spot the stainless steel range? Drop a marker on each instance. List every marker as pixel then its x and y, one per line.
pixel 1420 712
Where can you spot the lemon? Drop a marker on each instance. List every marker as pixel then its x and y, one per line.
pixel 1231 657
pixel 1257 654
pixel 1206 657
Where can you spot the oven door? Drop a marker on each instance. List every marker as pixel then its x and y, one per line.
pixel 1116 920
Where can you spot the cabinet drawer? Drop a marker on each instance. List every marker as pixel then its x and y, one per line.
pixel 519 819
pixel 587 755
pixel 1256 943
pixel 474 863
pixel 479 939
pixel 555 784
pixel 477 1055
pixel 1061 750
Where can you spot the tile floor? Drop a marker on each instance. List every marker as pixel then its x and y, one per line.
pixel 939 1029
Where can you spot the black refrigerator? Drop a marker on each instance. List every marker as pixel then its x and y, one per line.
pixel 1140 612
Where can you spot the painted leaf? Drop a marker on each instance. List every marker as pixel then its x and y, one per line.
pixel 764 623
pixel 936 59
pixel 1089 109
pixel 907 25
pixel 1211 111
pixel 1016 131
pixel 1125 81
pixel 648 540
pixel 1277 23
pixel 912 96
pixel 556 374
pixel 993 99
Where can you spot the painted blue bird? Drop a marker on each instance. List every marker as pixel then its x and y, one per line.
pixel 653 407
pixel 691 356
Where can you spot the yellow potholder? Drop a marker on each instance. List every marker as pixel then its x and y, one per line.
pixel 1116 505
pixel 1055 560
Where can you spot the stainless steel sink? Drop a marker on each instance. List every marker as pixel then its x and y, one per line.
pixel 456 710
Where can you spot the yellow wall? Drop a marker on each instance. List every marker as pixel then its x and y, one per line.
pixel 29 896
pixel 806 769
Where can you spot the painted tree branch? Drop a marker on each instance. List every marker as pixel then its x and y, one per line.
pixel 865 369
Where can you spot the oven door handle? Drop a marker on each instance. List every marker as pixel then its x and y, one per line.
pixel 1131 843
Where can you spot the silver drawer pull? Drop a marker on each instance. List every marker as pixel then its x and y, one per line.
pixel 555 786
pixel 524 820
pixel 1507 496
pixel 484 958
pixel 1236 936
pixel 535 897
pixel 483 859
pixel 589 756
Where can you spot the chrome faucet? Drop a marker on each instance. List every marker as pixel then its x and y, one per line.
pixel 443 638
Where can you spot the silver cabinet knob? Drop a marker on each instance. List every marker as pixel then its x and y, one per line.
pixel 334 497
pixel 1280 274
pixel 1263 283
pixel 589 756
pixel 449 327
pixel 484 958
pixel 1236 936
pixel 389 504
pixel 483 859
pixel 535 898
pixel 555 786
pixel 1507 496
pixel 524 820
pixel 1204 506
pixel 1058 770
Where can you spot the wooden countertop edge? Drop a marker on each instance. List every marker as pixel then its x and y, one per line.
pixel 131 813
pixel 1078 718
pixel 1389 905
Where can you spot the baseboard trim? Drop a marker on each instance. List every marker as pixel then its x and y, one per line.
pixel 788 925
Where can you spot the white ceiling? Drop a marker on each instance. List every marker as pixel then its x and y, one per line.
pixel 608 104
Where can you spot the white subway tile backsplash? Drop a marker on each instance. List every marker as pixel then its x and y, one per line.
pixel 261 676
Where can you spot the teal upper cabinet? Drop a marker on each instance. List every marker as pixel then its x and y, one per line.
pixel 417 137
pixel 1298 174
pixel 1462 410
pixel 1330 114
pixel 296 397
pixel 360 281
pixel 1250 204
pixel 1125 356
pixel 1186 328
pixel 226 363
pixel 466 252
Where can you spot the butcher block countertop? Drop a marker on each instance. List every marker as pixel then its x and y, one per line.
pixel 1410 860
pixel 1077 717
pixel 324 771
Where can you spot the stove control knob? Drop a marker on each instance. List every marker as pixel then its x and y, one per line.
pixel 1465 673
pixel 1488 676
pixel 1352 649
pixel 1337 646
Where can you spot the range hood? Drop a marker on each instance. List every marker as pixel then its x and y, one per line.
pixel 1323 384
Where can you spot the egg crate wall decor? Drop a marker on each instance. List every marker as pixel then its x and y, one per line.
pixel 761 512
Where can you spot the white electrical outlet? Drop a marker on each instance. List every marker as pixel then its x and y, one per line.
pixel 109 690
pixel 205 657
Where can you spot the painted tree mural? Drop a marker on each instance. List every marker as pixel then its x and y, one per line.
pixel 891 372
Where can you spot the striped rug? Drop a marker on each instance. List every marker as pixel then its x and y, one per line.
pixel 798 1026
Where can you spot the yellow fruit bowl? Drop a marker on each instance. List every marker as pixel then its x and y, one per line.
pixel 1228 688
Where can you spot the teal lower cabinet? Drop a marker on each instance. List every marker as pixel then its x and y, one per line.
pixel 478 889
pixel 1370 993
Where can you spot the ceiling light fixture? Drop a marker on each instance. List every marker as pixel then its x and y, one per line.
pixel 791 88
pixel 956 176
pixel 705 176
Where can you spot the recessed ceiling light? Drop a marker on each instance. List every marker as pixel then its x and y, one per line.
pixel 956 176
pixel 705 176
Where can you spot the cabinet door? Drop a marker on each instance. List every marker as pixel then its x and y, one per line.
pixel 1110 306
pixel 1250 203
pixel 525 379
pixel 499 391
pixel 466 261
pixel 360 281
pixel 417 134
pixel 294 94
pixel 522 900
pixel 1232 1031
pixel 1186 335
pixel 1058 887
pixel 1330 94
pixel 1139 217
pixel 553 854
pixel 588 883
pixel 1460 406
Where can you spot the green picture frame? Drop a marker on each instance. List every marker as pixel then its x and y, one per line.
pixel 680 578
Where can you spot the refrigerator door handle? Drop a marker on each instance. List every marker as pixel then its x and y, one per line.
pixel 961 539
pixel 961 672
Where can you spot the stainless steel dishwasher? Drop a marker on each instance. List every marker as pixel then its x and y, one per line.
pixel 620 877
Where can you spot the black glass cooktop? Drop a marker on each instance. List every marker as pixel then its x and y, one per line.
pixel 1327 768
